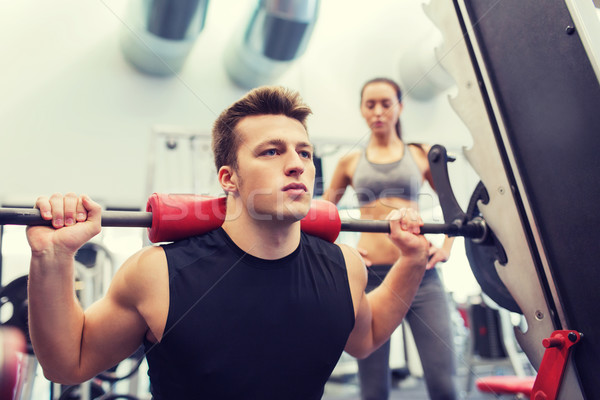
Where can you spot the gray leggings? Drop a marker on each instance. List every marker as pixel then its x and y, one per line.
pixel 429 321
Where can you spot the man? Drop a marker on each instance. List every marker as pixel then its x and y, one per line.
pixel 253 310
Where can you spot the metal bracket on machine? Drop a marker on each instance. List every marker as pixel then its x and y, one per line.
pixel 438 162
pixel 453 214
pixel 482 252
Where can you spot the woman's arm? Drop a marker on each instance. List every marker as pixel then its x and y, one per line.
pixel 342 178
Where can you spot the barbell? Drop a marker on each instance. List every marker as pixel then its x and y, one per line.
pixel 171 217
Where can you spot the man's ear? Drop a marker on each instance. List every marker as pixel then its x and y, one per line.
pixel 228 179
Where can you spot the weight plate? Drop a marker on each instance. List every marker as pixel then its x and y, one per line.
pixel 14 296
pixel 483 256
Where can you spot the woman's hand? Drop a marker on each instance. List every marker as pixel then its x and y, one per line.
pixel 365 256
pixel 436 255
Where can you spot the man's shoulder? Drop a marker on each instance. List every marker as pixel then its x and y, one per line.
pixel 316 241
pixel 148 262
pixel 341 252
pixel 205 240
pixel 141 275
pixel 354 263
pixel 322 248
pixel 351 255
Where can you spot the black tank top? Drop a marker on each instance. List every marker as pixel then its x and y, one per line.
pixel 240 327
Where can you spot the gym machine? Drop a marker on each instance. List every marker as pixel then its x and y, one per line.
pixel 528 90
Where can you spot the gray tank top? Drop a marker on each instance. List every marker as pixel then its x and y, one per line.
pixel 401 179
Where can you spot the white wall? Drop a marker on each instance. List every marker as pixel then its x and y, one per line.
pixel 75 116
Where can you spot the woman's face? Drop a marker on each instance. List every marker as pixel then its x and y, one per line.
pixel 380 107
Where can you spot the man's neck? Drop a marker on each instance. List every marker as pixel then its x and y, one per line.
pixel 269 240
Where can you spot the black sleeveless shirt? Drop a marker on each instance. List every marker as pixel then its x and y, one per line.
pixel 240 327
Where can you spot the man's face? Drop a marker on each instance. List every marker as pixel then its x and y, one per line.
pixel 275 170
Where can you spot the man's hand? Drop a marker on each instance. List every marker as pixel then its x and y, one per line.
pixel 75 220
pixel 405 231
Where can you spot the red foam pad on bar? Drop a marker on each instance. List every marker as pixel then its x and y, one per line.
pixel 179 216
pixel 322 220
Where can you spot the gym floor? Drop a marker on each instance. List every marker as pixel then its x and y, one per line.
pixel 345 386
pixel 411 388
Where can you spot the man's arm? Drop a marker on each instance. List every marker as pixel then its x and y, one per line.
pixel 380 312
pixel 73 346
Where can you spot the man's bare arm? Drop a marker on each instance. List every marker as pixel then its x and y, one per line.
pixel 380 312
pixel 73 346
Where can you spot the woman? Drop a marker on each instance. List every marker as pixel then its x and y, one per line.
pixel 388 175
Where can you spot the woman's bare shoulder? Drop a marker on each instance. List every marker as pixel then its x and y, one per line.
pixel 351 157
pixel 419 151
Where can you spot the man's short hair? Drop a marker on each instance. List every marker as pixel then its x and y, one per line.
pixel 265 100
